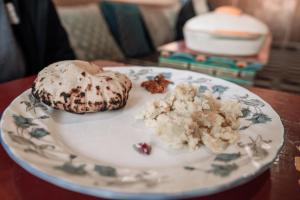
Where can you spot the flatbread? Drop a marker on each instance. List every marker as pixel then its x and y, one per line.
pixel 79 87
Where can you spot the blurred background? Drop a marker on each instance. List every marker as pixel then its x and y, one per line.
pixel 89 33
pixel 282 17
pixel 150 32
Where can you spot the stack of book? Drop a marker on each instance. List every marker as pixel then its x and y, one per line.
pixel 238 69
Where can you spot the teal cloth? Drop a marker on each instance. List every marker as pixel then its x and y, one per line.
pixel 127 27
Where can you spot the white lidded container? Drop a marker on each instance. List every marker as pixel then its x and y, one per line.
pixel 226 31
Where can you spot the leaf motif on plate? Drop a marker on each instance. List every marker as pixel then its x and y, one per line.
pixel 34 103
pixel 21 140
pixel 23 122
pixel 219 89
pixel 256 103
pixel 203 80
pixel 105 170
pixel 202 88
pixel 38 133
pixel 246 96
pixel 32 99
pixel 244 127
pixel 223 170
pixel 149 77
pixel 33 151
pixel 131 72
pixel 259 118
pixel 257 151
pixel 189 168
pixel 45 146
pixel 27 104
pixel 44 117
pixel 251 102
pixel 227 157
pixel 136 75
pixel 245 112
pixel 167 75
pixel 72 156
pixel 143 71
pixel 41 105
pixel 252 111
pixel 70 168
pixel 189 78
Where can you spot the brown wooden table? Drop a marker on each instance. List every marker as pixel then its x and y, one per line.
pixel 280 182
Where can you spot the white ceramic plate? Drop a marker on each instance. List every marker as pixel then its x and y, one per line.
pixel 94 154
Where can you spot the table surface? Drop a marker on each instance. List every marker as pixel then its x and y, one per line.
pixel 281 181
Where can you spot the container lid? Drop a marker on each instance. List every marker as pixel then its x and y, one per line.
pixel 227 21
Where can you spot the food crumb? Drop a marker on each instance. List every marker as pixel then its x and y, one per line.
pixel 143 148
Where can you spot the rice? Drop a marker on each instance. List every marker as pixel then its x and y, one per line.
pixel 188 119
